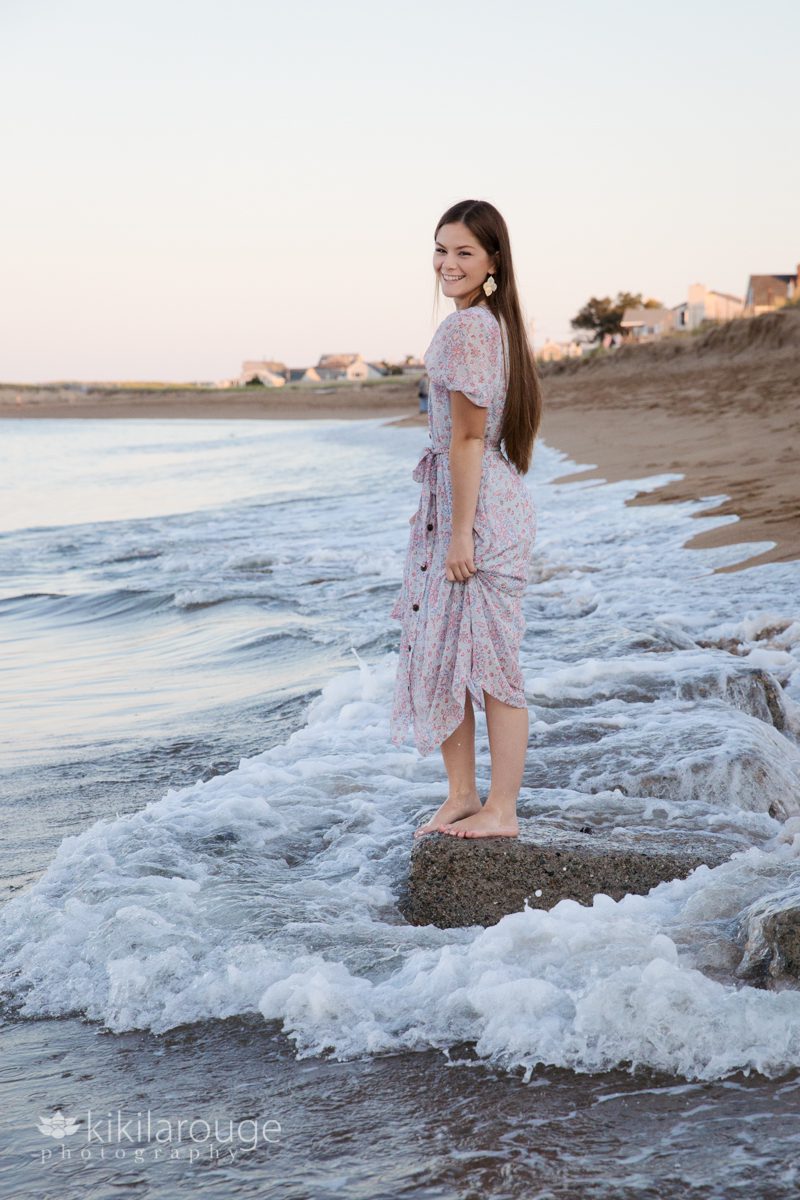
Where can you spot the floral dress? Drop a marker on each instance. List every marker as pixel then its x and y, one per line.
pixel 458 635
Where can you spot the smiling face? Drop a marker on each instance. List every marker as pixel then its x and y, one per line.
pixel 461 263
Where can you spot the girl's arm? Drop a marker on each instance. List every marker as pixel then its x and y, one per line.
pixel 468 423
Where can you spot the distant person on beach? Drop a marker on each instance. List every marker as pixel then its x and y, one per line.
pixel 466 568
pixel 423 394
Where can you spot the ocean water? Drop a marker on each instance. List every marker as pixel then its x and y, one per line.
pixel 206 829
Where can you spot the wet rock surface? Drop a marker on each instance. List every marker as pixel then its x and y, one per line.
pixel 782 936
pixel 770 933
pixel 475 881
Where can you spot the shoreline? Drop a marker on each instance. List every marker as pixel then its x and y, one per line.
pixel 355 402
pixel 722 409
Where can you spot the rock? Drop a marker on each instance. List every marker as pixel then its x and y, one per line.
pixel 476 881
pixel 771 941
pixel 757 692
pixel 782 936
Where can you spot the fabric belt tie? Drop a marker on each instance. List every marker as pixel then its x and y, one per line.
pixel 426 473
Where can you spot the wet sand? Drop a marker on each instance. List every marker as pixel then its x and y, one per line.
pixel 721 408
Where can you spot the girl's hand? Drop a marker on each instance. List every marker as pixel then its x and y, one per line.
pixel 460 561
pixel 411 519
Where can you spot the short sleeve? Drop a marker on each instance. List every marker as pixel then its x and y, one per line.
pixel 469 355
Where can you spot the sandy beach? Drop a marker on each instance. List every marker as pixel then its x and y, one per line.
pixel 721 408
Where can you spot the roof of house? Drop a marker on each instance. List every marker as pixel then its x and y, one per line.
pixel 338 360
pixel 263 364
pixel 643 316
pixel 726 296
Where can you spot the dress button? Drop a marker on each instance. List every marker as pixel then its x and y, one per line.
pixel 415 607
pixel 430 527
pixel 424 567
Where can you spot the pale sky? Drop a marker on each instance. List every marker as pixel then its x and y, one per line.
pixel 187 183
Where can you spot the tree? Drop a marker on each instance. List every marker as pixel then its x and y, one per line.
pixel 603 316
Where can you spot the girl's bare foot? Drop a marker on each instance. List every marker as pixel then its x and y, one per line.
pixel 489 821
pixel 454 808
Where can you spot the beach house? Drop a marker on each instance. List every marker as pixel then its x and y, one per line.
pixel 255 371
pixel 351 367
pixel 706 304
pixel 703 304
pixel 642 324
pixel 302 375
pixel 552 351
pixel 768 292
pixel 331 368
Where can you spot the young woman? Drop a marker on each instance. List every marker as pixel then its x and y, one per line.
pixel 460 605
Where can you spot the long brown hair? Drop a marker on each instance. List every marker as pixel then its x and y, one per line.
pixel 523 408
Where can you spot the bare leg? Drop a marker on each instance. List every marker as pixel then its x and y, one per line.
pixel 458 752
pixel 508 741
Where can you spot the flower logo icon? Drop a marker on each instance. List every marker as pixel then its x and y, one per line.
pixel 57 1126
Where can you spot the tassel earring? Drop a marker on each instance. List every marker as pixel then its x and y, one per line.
pixel 490 286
